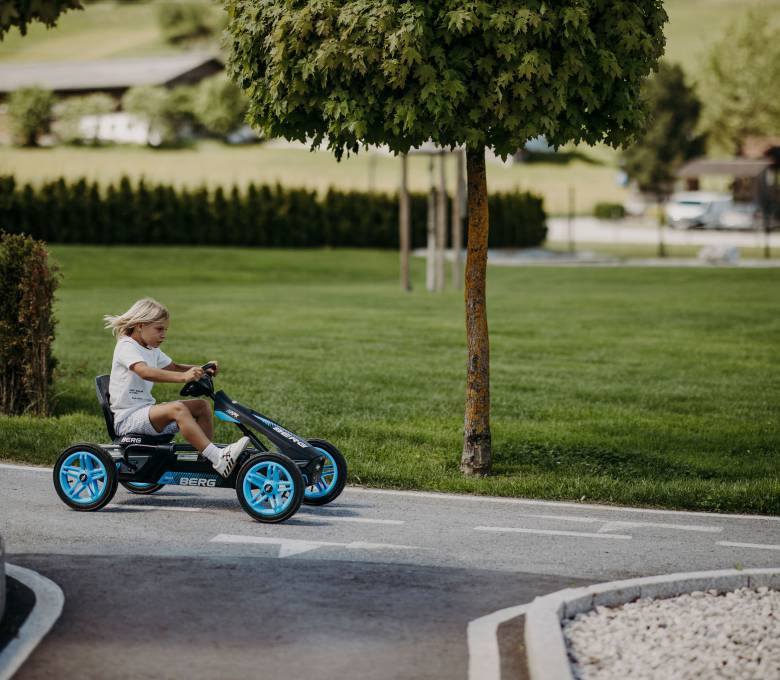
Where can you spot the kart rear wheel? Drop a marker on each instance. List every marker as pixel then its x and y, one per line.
pixel 142 488
pixel 269 487
pixel 334 475
pixel 85 477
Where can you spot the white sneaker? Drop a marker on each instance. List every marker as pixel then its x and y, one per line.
pixel 228 456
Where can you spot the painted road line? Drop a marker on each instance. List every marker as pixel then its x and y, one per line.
pixel 363 520
pixel 551 532
pixel 610 525
pixel 552 504
pixel 290 546
pixel 482 635
pixel 757 546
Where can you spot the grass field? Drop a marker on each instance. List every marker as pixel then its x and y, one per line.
pixel 592 173
pixel 648 387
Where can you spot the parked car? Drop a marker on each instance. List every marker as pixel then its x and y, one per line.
pixel 741 216
pixel 691 209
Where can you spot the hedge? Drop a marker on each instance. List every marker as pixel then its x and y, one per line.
pixel 268 216
pixel 27 284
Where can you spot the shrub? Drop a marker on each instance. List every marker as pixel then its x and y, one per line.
pixel 29 111
pixel 182 21
pixel 609 211
pixel 267 216
pixel 168 112
pixel 27 284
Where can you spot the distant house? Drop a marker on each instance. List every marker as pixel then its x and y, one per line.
pixel 111 76
pixel 119 128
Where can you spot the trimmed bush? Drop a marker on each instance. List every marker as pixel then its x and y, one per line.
pixel 30 114
pixel 265 216
pixel 27 284
pixel 609 211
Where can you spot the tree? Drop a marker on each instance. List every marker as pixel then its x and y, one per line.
pixel 671 137
pixel 20 13
pixel 29 110
pixel 183 21
pixel 483 74
pixel 740 82
pixel 71 112
pixel 167 111
pixel 219 105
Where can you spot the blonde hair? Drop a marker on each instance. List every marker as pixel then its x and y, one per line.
pixel 145 310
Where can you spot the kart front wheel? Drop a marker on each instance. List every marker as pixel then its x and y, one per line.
pixel 333 478
pixel 85 477
pixel 269 487
pixel 142 488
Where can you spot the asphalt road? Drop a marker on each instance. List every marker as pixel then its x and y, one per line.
pixel 379 584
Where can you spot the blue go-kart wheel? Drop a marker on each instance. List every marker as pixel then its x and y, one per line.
pixel 334 475
pixel 85 477
pixel 270 487
pixel 142 488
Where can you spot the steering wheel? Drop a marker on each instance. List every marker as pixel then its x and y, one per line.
pixel 201 386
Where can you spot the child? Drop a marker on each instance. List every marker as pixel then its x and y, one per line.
pixel 138 364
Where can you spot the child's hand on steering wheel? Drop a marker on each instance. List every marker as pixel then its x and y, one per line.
pixel 192 374
pixel 211 367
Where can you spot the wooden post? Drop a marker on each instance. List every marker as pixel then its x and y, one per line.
pixel 441 224
pixel 430 274
pixel 458 213
pixel 404 224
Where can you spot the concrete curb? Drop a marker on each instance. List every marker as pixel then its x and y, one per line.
pixel 544 642
pixel 2 578
pixel 49 600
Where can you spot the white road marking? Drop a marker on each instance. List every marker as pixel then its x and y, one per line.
pixel 290 546
pixel 550 532
pixel 482 634
pixel 364 520
pixel 552 504
pixel 758 546
pixel 610 525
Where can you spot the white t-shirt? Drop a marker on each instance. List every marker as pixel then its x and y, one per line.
pixel 128 390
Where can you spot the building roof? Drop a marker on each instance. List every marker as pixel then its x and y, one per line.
pixel 104 74
pixel 734 167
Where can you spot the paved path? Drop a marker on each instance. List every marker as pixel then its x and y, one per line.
pixel 632 231
pixel 380 584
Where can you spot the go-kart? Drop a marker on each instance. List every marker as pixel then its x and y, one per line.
pixel 271 485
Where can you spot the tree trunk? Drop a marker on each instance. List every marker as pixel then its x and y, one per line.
pixel 476 433
pixel 404 224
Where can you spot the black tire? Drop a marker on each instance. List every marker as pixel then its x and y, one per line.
pixel 311 497
pixel 90 472
pixel 283 496
pixel 141 490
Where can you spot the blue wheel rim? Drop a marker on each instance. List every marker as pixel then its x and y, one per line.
pixel 83 477
pixel 328 478
pixel 268 488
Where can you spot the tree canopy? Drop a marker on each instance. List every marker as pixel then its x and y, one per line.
pixel 671 137
pixel 477 73
pixel 740 83
pixel 20 13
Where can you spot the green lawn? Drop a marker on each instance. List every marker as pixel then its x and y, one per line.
pixel 649 387
pixel 592 171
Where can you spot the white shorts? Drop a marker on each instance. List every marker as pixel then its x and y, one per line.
pixel 138 423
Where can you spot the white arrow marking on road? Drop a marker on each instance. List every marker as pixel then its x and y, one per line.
pixel 291 546
pixel 550 532
pixel 759 546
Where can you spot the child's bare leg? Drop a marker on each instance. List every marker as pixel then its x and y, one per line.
pixel 162 414
pixel 201 411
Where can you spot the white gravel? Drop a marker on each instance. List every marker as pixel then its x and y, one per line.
pixel 700 635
